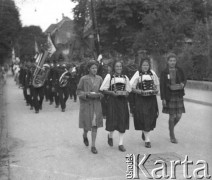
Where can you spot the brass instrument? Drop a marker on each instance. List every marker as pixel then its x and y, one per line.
pixel 41 72
pixel 63 81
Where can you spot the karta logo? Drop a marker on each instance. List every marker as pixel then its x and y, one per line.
pixel 136 166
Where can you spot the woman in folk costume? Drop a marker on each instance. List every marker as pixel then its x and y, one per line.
pixel 172 83
pixel 117 87
pixel 90 114
pixel 145 85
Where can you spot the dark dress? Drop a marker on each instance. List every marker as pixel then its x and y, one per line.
pixel 146 107
pixel 117 115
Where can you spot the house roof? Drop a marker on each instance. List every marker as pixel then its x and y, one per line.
pixel 50 28
pixel 53 27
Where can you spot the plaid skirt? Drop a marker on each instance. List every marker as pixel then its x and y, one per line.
pixel 175 105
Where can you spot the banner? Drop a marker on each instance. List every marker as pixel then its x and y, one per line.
pixel 51 48
pixel 13 55
pixel 36 50
pixel 88 30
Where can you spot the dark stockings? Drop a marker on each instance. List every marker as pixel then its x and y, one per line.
pixel 173 120
pixel 93 135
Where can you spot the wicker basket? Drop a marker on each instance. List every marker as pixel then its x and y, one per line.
pixel 121 93
pixel 175 87
pixel 149 93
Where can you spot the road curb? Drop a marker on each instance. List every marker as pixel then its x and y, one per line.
pixel 198 102
pixel 4 154
pixel 195 101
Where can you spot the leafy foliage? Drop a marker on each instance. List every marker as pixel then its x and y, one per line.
pixel 10 26
pixel 158 26
pixel 26 42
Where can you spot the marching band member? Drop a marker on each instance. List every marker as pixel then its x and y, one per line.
pixel 145 85
pixel 172 83
pixel 55 85
pixel 90 114
pixel 25 80
pixel 63 75
pixel 38 93
pixel 73 84
pixel 49 84
pixel 22 80
pixel 117 87
pixel 46 85
pixel 30 89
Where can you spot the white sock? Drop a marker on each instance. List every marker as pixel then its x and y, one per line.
pixel 111 134
pixel 147 139
pixel 121 138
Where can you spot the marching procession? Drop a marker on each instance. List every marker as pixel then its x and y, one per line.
pixel 108 89
pixel 108 92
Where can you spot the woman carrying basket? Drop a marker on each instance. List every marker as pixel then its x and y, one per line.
pixel 117 87
pixel 145 85
pixel 172 83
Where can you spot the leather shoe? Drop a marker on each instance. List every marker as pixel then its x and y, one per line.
pixel 110 141
pixel 148 144
pixel 57 106
pixel 85 140
pixel 93 150
pixel 121 148
pixel 174 140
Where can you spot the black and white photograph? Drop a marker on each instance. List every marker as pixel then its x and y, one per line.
pixel 105 89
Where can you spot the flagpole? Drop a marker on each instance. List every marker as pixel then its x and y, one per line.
pixel 95 26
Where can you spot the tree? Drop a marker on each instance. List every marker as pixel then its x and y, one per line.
pixel 158 26
pixel 26 41
pixel 165 26
pixel 10 26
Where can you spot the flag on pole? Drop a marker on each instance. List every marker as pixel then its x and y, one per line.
pixel 51 48
pixel 36 47
pixel 13 55
pixel 38 58
pixel 88 30
pixel 36 50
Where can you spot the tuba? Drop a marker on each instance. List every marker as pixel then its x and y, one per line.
pixel 41 72
pixel 63 81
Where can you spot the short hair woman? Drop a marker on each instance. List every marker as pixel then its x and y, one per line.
pixel 90 114
pixel 172 83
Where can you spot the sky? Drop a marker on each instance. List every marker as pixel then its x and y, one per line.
pixel 43 12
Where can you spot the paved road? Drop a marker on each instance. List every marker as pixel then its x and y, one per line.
pixel 49 145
